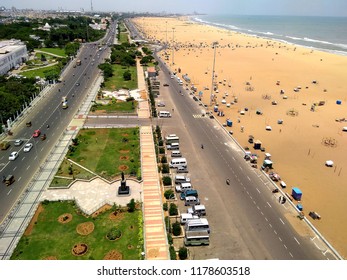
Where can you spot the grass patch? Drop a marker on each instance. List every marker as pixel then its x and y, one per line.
pixel 55 51
pixel 108 152
pixel 116 106
pixel 123 37
pixel 39 72
pixel 117 82
pixel 50 238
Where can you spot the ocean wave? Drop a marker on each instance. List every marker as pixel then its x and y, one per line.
pixel 305 41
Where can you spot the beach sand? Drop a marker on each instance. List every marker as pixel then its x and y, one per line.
pixel 248 68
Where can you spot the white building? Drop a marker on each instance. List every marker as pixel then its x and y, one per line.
pixel 12 54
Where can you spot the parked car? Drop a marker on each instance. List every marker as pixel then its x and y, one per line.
pixel 18 142
pixel 36 133
pixel 28 147
pixel 13 156
pixel 165 85
pixel 161 104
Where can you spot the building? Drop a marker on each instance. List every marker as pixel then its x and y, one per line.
pixel 12 54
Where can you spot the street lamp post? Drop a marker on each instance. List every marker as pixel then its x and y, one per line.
pixel 214 46
pixel 173 45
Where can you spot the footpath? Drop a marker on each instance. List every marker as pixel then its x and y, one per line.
pixel 92 195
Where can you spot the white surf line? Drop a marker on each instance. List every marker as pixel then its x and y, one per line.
pixel 282 221
pixel 296 240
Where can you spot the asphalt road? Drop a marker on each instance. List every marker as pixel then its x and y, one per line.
pixel 246 219
pixel 48 111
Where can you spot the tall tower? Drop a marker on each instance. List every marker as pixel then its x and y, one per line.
pixel 91 5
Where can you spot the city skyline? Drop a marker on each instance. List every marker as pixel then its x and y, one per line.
pixel 236 7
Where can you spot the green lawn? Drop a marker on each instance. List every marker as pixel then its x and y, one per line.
pixel 39 72
pixel 123 37
pixel 56 51
pixel 117 81
pixel 50 238
pixel 108 152
pixel 119 106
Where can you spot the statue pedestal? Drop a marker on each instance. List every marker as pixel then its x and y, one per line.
pixel 123 189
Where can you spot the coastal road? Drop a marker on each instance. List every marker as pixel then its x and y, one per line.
pixel 48 111
pixel 247 221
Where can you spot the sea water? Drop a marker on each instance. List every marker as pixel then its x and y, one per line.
pixel 324 33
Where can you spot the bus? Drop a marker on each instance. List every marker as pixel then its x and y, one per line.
pixel 201 237
pixel 78 62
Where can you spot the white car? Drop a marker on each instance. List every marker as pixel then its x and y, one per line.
pixel 18 142
pixel 28 147
pixel 13 156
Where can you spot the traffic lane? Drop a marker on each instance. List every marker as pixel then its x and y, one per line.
pixel 186 111
pixel 226 224
pixel 230 207
pixel 38 115
pixel 262 201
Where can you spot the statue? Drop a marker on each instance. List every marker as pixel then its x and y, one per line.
pixel 123 189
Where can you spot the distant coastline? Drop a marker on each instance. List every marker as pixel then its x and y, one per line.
pixel 289 30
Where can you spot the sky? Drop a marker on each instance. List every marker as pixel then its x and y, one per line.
pixel 234 7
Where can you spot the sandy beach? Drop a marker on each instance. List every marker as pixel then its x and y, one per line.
pixel 254 71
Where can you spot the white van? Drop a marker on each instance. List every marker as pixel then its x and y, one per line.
pixel 191 200
pixel 175 162
pixel 181 179
pixel 199 210
pixel 164 114
pixel 183 187
pixel 197 225
pixel 173 146
pixel 186 217
pixel 176 153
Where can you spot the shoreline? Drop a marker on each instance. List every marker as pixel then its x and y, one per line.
pixel 247 69
pixel 236 30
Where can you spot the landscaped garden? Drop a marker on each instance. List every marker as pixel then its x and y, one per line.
pixel 106 152
pixel 59 231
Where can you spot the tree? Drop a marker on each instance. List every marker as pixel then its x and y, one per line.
pixel 107 70
pixel 131 206
pixel 127 75
pixel 183 253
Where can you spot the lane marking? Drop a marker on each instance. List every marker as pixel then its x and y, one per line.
pixel 248 178
pixel 296 240
pixel 269 204
pixel 281 221
pixel 257 190
pixel 19 179
pixel 28 167
pixel 9 192
pixel 14 168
